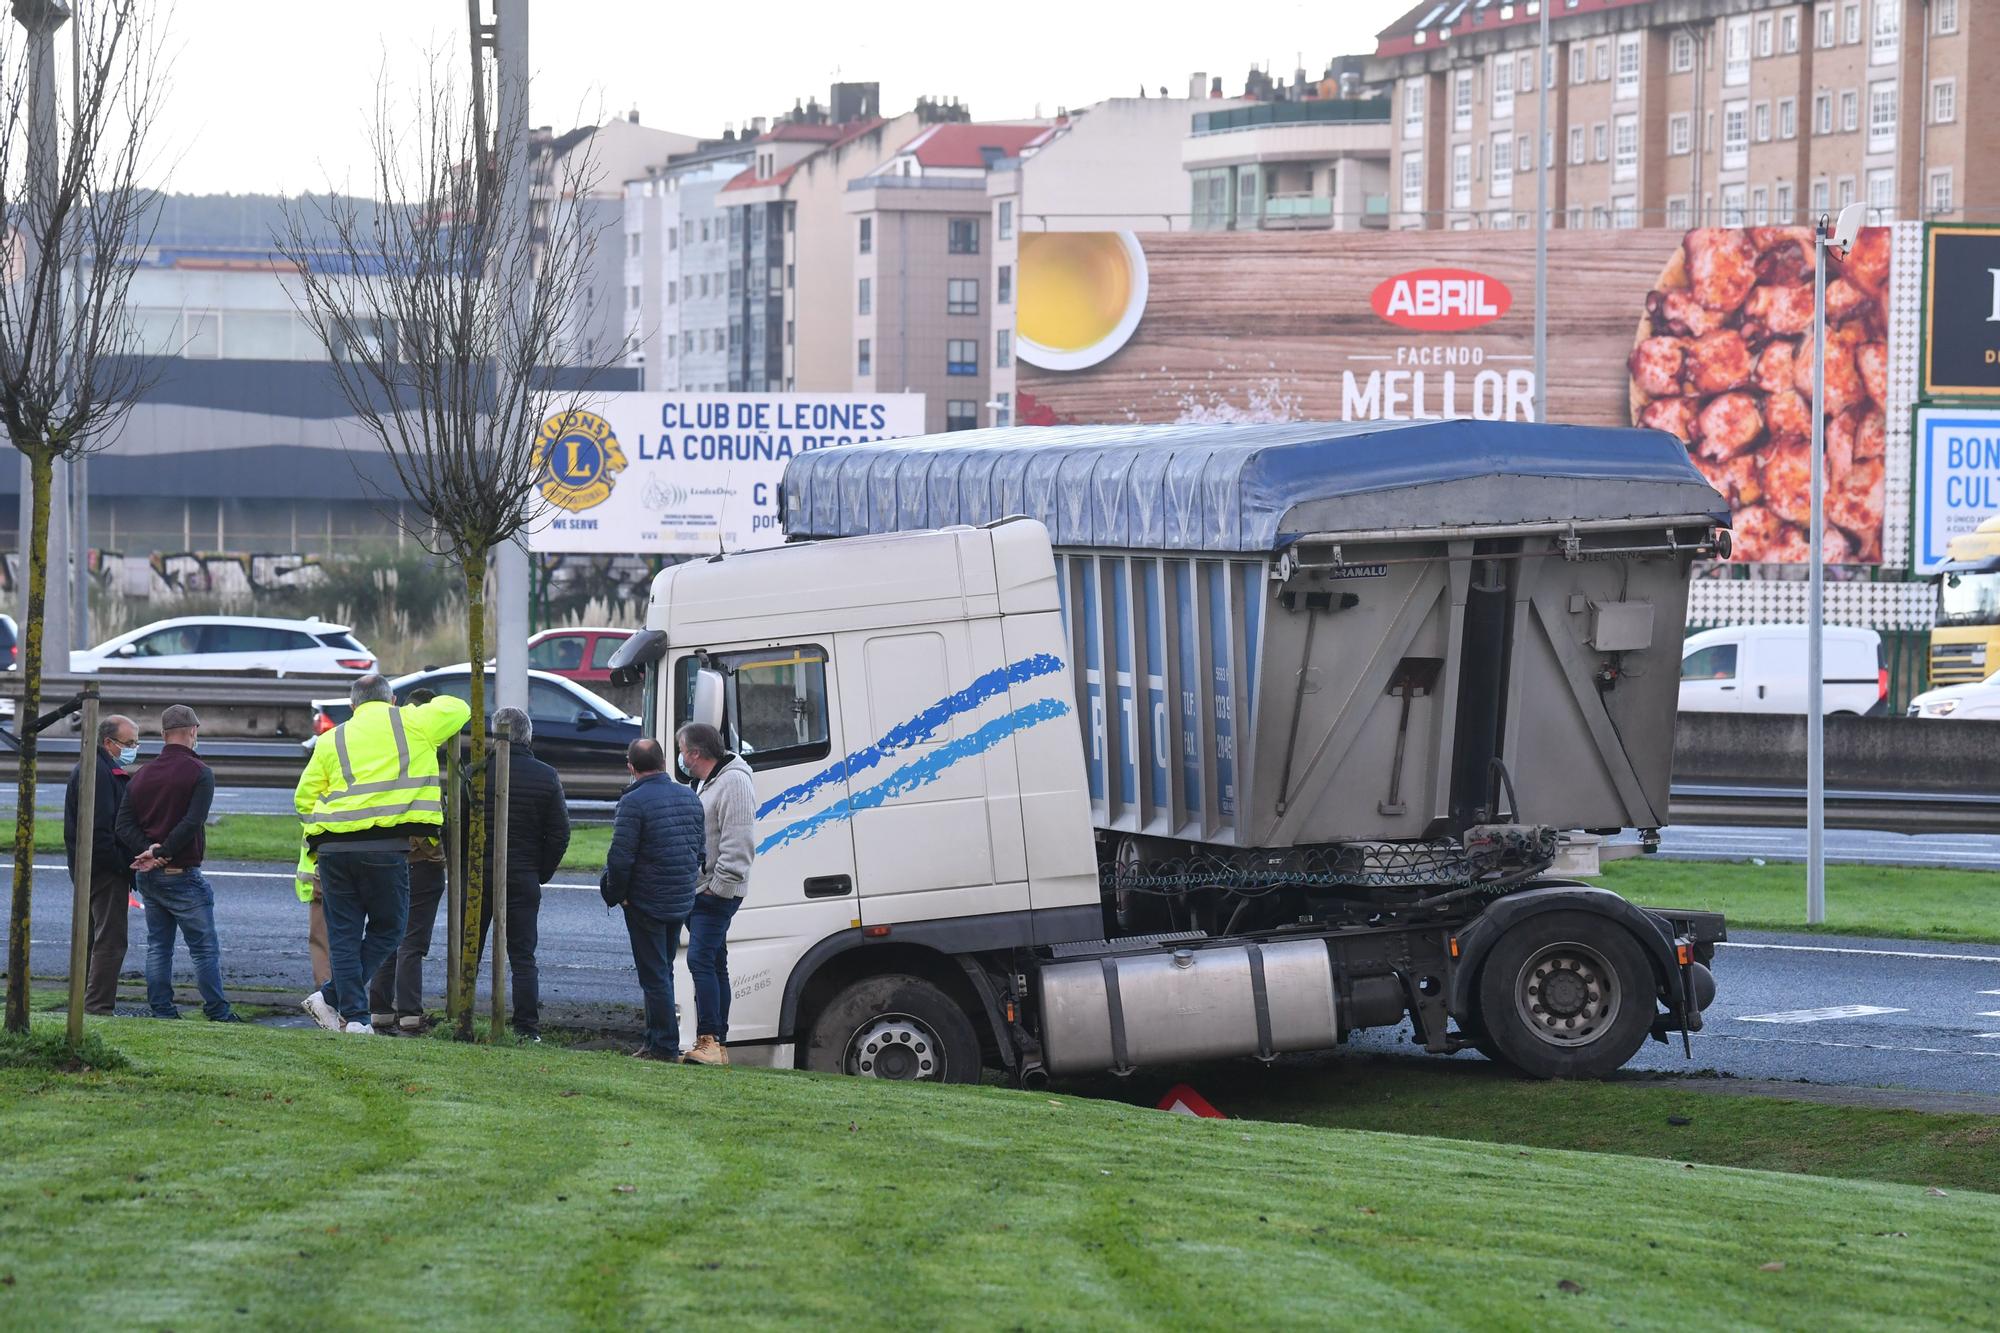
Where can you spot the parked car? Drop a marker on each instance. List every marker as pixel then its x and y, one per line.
pixel 1977 701
pixel 232 643
pixel 1762 669
pixel 572 725
pixel 10 644
pixel 578 654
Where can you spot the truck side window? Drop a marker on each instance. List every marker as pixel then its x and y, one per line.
pixel 1715 662
pixel 774 703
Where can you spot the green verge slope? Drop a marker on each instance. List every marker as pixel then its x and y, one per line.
pixel 287 1178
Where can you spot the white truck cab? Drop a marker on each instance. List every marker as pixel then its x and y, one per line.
pixel 904 704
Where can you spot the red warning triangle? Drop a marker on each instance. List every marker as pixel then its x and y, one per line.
pixel 1183 1100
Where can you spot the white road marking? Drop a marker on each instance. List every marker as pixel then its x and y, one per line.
pixel 1873 953
pixel 1987 1036
pixel 1990 992
pixel 1990 1013
pixel 1854 1045
pixel 1819 1015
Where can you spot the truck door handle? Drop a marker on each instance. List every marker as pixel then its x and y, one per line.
pixel 829 886
pixel 1760 691
pixel 1728 687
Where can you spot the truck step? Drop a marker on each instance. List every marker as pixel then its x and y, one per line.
pixel 1129 944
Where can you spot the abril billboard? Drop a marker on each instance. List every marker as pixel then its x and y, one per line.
pixel 691 473
pixel 1703 333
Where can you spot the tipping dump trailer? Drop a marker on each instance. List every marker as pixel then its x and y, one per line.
pixel 1345 697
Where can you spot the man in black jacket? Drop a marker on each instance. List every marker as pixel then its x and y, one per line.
pixel 537 838
pixel 110 860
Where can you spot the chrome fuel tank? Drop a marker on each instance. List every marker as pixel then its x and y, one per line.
pixel 1120 1011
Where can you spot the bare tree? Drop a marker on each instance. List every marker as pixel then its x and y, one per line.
pixel 70 362
pixel 443 312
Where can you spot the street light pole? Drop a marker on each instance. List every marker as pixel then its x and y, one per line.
pixel 1815 610
pixel 510 560
pixel 1542 148
pixel 1840 236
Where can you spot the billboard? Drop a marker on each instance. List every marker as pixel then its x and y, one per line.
pixel 1698 333
pixel 1961 312
pixel 1957 478
pixel 691 473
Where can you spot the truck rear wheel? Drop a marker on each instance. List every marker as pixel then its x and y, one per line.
pixel 894 1027
pixel 1566 995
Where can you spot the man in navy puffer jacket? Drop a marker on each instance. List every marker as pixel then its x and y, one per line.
pixel 656 846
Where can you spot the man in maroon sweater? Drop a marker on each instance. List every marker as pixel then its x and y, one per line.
pixel 165 809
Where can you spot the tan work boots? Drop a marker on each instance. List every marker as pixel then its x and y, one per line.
pixel 707 1051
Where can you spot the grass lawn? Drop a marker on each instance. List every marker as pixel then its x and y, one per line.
pixel 276 838
pixel 1471 1099
pixel 287 1177
pixel 1892 901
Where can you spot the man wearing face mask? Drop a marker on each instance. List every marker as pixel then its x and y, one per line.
pixel 165 809
pixel 110 868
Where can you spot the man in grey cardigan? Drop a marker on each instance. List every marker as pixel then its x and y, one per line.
pixel 729 816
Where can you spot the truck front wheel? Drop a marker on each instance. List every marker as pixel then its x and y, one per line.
pixel 1566 995
pixel 894 1027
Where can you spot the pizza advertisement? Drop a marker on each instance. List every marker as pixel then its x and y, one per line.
pixel 1705 334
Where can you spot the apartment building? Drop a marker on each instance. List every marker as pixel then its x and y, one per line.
pixel 1317 163
pixel 794 249
pixel 926 303
pixel 677 252
pixel 599 159
pixel 1678 112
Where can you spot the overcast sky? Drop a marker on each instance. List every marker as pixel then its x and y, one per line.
pixel 271 95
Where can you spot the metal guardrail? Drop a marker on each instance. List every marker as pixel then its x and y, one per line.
pixel 277 764
pixel 1785 807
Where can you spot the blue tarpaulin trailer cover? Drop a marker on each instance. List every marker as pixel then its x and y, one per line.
pixel 1245 488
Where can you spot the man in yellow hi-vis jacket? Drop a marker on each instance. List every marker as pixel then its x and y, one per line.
pixel 372 784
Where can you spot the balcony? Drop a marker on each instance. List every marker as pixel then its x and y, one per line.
pixel 1298 212
pixel 1370 111
pixel 1294 212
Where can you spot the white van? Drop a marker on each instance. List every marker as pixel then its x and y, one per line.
pixel 1762 669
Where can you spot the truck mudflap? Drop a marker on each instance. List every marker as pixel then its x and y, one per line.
pixel 1678 944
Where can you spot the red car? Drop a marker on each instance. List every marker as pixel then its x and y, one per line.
pixel 583 655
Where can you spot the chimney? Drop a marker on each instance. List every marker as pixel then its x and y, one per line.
pixel 1196 82
pixel 633 115
pixel 1215 88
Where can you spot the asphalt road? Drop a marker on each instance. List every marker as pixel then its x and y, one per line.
pixel 1833 1010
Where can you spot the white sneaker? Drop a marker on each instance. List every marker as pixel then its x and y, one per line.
pixel 321 1012
pixel 358 1030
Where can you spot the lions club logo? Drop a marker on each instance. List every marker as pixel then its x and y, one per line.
pixel 578 460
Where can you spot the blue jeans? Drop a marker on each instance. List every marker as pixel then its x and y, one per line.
pixel 708 962
pixel 654 944
pixel 183 900
pixel 366 897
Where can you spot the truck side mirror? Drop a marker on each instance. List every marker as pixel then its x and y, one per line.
pixel 707 698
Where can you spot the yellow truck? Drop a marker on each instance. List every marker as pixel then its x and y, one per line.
pixel 1965 638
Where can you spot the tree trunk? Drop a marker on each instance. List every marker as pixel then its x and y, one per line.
pixel 41 471
pixel 475 792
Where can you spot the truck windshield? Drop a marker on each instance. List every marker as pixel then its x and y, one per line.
pixel 1969 599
